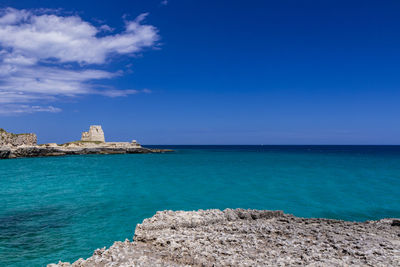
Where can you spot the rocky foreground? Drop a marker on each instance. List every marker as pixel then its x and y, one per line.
pixel 251 238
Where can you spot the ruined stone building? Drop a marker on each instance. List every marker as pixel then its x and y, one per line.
pixel 10 139
pixel 95 133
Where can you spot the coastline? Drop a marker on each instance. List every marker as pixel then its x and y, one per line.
pixel 251 238
pixel 92 142
pixel 8 152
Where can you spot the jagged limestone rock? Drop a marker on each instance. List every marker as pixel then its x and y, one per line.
pixel 10 139
pixel 251 238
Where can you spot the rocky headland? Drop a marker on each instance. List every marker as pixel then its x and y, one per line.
pixel 251 238
pixel 93 142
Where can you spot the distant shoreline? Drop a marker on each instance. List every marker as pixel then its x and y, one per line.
pixel 92 142
pixel 59 150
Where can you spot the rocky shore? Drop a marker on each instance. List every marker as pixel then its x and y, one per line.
pixel 251 238
pixel 83 148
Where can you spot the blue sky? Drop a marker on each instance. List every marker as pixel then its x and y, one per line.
pixel 202 72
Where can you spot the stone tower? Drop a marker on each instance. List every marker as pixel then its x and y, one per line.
pixel 95 133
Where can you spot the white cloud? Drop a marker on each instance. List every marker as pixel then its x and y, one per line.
pixel 37 45
pixel 69 39
pixel 164 2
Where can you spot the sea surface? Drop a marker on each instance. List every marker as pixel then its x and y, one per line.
pixel 63 208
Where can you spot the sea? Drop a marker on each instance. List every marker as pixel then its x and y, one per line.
pixel 63 208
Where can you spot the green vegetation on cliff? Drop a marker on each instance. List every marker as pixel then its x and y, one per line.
pixel 82 142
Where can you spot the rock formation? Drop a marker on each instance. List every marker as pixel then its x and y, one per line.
pixel 14 140
pixel 95 134
pixel 251 238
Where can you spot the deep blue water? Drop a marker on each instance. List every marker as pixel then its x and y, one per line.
pixel 63 208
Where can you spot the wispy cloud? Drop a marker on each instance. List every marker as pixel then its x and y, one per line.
pixel 37 47
pixel 119 93
pixel 22 109
pixel 164 2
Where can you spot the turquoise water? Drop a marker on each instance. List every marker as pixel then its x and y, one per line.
pixel 63 208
